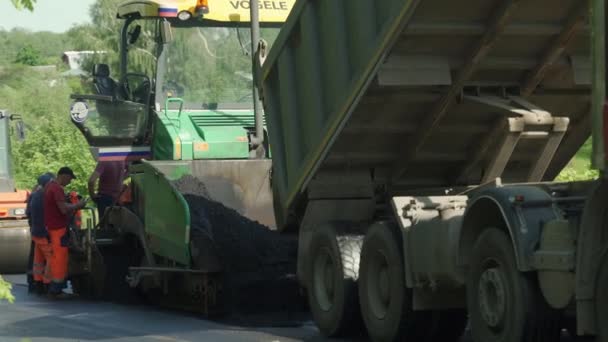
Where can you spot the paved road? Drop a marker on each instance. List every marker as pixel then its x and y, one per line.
pixel 40 319
pixel 34 319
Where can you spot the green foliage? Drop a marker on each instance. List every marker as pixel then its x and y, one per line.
pixel 21 4
pixel 28 56
pixel 5 291
pixel 33 94
pixel 212 65
pixel 570 174
pixel 49 45
pixel 579 168
pixel 102 35
pixel 50 146
pixel 51 140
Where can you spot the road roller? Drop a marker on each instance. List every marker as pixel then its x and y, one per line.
pixel 14 230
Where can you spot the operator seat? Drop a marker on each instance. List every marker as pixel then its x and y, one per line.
pixel 104 84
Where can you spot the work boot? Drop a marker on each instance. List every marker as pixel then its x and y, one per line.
pixel 31 287
pixel 34 287
pixel 55 289
pixel 40 288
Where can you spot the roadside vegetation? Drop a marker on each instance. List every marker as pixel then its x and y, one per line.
pixel 5 291
pixel 579 167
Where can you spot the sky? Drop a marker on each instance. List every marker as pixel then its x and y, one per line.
pixel 48 15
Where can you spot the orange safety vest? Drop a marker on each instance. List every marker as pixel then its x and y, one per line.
pixel 126 195
pixel 77 214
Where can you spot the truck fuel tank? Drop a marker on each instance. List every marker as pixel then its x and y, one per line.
pixel 430 229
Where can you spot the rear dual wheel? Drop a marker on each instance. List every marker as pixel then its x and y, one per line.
pixel 504 304
pixel 386 302
pixel 333 271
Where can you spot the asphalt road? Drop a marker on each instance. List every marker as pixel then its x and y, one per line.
pixel 33 318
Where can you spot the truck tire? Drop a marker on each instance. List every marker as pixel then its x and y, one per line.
pixel 386 302
pixel 504 304
pixel 601 301
pixel 332 281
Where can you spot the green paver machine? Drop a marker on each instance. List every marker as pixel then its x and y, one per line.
pixel 181 105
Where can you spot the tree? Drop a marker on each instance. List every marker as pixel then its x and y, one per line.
pixel 27 4
pixel 49 45
pixel 28 56
pixel 48 147
pixel 51 139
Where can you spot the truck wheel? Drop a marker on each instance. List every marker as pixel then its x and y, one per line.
pixel 386 303
pixel 601 301
pixel 332 281
pixel 504 304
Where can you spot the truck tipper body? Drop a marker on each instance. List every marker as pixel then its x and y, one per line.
pixel 414 148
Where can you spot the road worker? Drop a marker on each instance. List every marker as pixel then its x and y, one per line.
pixel 30 261
pixel 41 261
pixel 57 213
pixel 111 175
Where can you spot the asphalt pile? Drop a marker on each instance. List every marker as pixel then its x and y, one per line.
pixel 258 264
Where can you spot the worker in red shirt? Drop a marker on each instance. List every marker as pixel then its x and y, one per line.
pixel 57 212
pixel 111 175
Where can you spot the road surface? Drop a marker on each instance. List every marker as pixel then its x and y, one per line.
pixel 34 318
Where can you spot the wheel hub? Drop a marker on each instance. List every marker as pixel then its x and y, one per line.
pixel 492 302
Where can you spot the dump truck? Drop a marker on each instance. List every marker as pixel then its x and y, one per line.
pixel 15 237
pixel 197 231
pixel 414 147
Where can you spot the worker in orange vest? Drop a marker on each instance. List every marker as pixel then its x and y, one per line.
pixel 41 274
pixel 57 213
pixel 74 199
